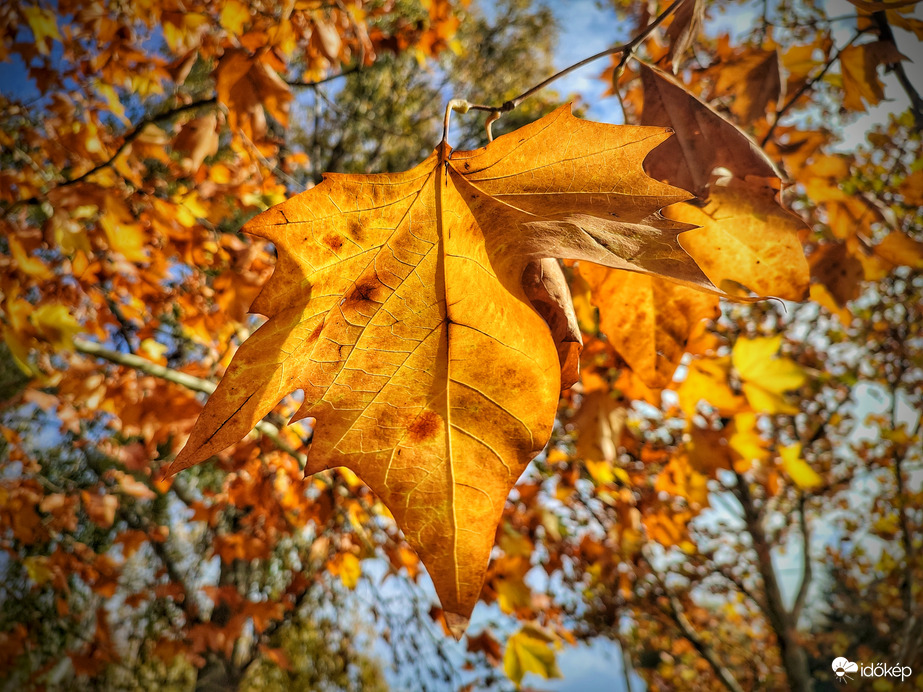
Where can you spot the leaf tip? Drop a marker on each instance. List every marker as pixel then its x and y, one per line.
pixel 274 216
pixel 457 624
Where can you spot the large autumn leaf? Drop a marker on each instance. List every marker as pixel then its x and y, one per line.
pixel 397 306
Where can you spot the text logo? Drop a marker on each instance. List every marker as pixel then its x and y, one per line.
pixel 843 666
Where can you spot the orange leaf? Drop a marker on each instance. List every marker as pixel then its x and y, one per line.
pixel 397 307
pixel 648 320
pixel 859 65
pixel 100 508
pixel 748 240
pixel 753 81
pixel 277 656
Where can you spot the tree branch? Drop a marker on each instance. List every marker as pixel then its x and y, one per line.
pixel 916 102
pixel 806 573
pixel 626 49
pixel 806 87
pixel 298 84
pixel 196 384
pixel 128 138
pixel 688 631
pixel 793 655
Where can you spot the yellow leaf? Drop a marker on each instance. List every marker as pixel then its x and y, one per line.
pixel 37 568
pixel 55 324
pixel 234 16
pixel 798 469
pixel 123 233
pixel 31 266
pixel 822 296
pixel 746 239
pixel 765 377
pixel 43 25
pixel 112 100
pixel 799 61
pixel 19 348
pixel 154 350
pixel 347 567
pixel 746 442
pixel 530 650
pixel 707 380
pixel 512 593
pixel 898 249
pixel 587 316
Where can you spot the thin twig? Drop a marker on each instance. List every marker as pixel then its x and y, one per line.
pixel 916 102
pixel 675 611
pixel 806 573
pixel 806 86
pixel 127 139
pixel 196 384
pixel 626 49
pixel 298 84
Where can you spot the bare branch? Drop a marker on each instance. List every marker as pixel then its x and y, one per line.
pixel 780 619
pixel 688 631
pixel 916 102
pixel 626 49
pixel 129 137
pixel 196 384
pixel 806 87
pixel 806 573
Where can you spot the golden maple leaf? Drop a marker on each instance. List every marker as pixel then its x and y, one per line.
pixel 397 306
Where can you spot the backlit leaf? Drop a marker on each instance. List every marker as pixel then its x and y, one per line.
pixel 765 376
pixel 397 306
pixel 748 240
pixel 798 469
pixel 648 320
pixel 530 650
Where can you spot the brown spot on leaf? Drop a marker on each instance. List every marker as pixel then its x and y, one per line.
pixel 334 242
pixel 354 229
pixel 365 290
pixel 426 426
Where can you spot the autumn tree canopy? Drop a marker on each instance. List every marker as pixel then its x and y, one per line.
pixel 655 382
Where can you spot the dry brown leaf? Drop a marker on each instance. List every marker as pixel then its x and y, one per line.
pixel 600 422
pixel 328 39
pixel 250 89
pixel 648 320
pixel 547 290
pixel 397 306
pixel 753 81
pixel 687 18
pixel 879 5
pixel 859 68
pixel 196 140
pixel 747 240
pixel 688 159
pixel 834 267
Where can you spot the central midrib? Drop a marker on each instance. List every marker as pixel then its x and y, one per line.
pixel 441 182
